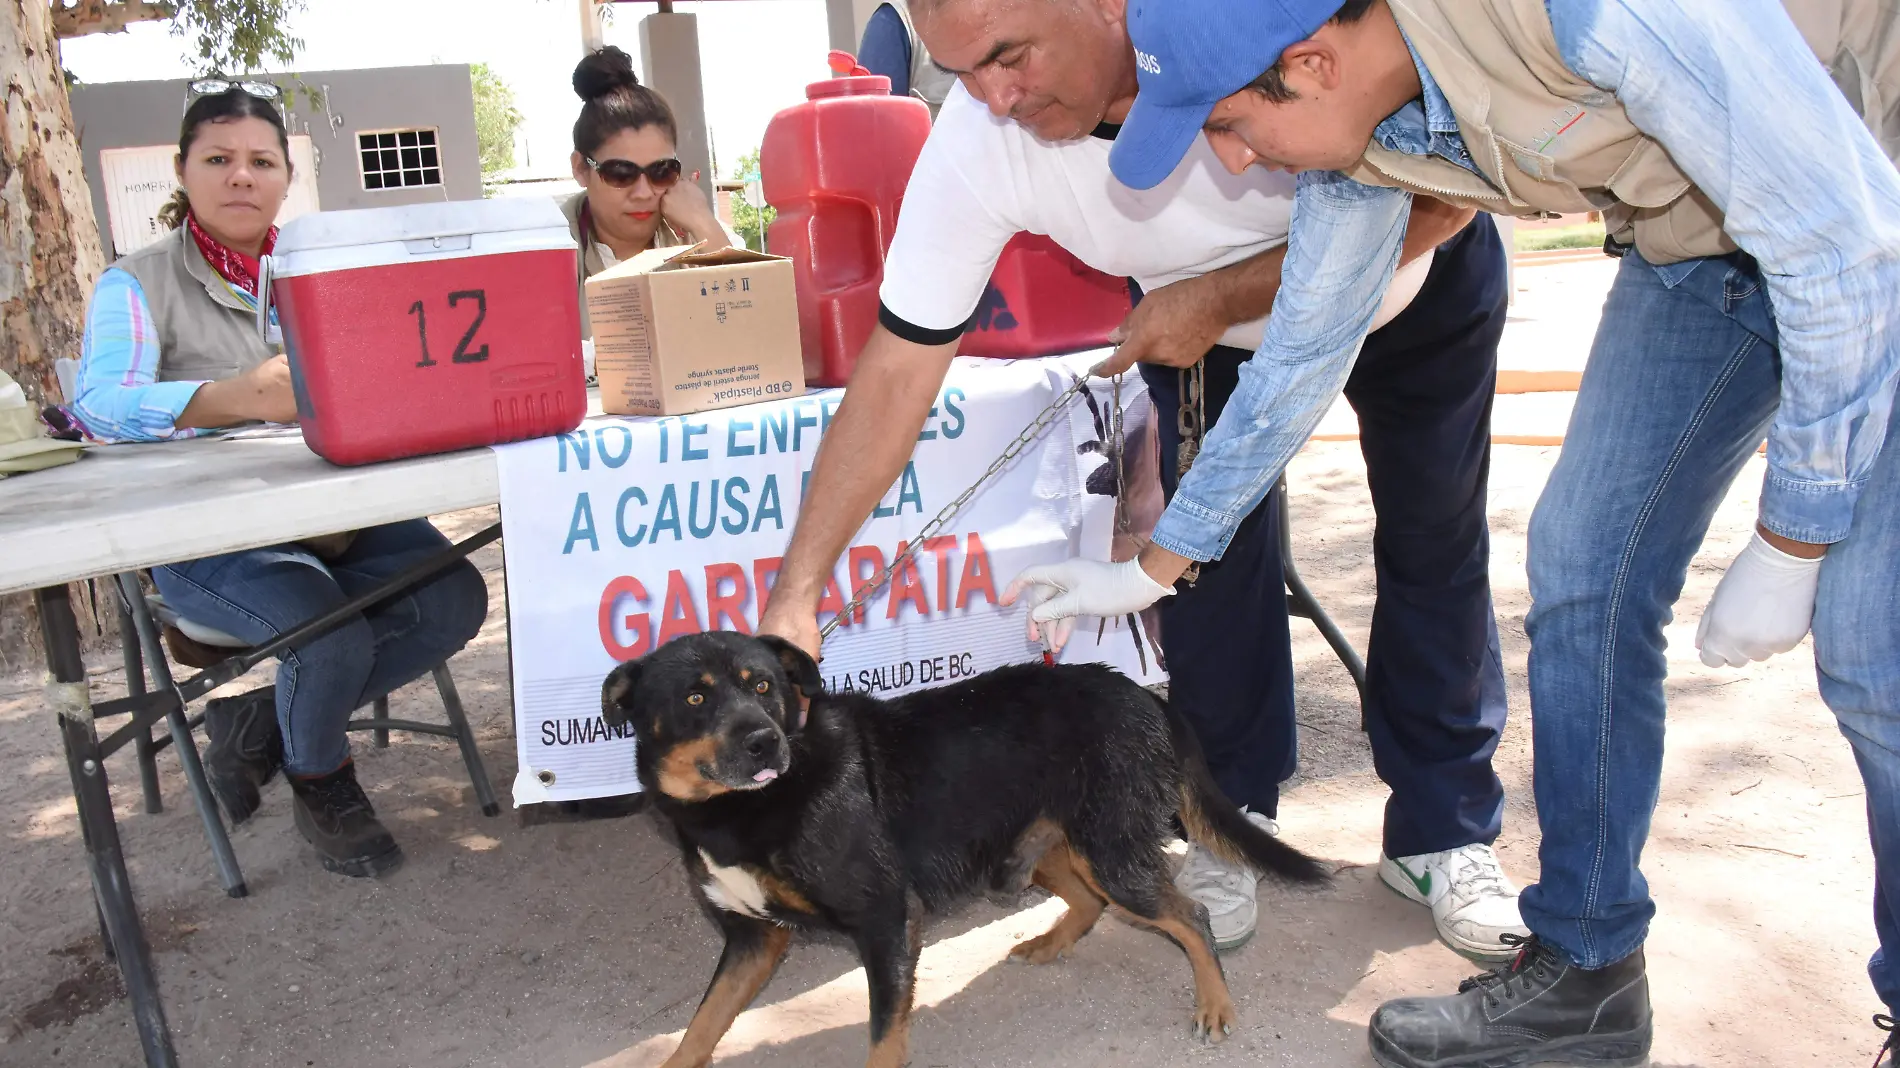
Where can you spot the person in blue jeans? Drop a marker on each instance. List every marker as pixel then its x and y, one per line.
pixel 172 351
pixel 1758 217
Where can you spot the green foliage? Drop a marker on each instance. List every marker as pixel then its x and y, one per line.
pixel 238 36
pixel 1585 235
pixel 496 121
pixel 749 221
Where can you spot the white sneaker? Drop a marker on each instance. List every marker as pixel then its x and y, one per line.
pixel 1228 891
pixel 1473 903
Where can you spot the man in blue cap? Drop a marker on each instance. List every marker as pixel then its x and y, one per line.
pixel 1758 218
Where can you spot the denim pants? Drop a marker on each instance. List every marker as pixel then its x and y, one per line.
pixel 1435 700
pixel 260 593
pixel 1682 383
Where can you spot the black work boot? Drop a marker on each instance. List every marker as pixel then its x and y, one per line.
pixel 335 816
pixel 1538 1009
pixel 245 751
pixel 1888 1055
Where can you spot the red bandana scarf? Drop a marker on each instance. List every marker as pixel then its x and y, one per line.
pixel 233 266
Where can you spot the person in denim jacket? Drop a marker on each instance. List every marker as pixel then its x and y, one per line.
pixel 1758 218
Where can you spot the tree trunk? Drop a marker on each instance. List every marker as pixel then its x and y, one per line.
pixel 49 248
pixel 49 242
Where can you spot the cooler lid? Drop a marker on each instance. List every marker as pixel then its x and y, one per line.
pixel 412 222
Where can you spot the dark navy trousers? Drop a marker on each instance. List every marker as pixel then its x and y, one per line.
pixel 1435 698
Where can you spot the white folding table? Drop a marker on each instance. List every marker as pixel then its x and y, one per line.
pixel 126 507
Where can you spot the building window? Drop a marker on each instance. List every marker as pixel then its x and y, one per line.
pixel 398 159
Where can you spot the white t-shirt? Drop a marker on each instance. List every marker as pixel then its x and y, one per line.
pixel 981 179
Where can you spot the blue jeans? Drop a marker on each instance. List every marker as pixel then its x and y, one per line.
pixel 1682 383
pixel 261 593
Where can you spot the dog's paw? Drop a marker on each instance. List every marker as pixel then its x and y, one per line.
pixel 1214 1020
pixel 1042 949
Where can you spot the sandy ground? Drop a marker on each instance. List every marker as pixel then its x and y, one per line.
pixel 574 945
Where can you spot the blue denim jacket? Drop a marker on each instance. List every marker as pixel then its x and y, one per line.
pixel 1427 125
pixel 1804 188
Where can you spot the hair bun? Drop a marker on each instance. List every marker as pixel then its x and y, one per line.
pixel 606 71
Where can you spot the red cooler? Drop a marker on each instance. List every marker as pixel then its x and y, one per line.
pixel 835 167
pixel 430 327
pixel 1042 301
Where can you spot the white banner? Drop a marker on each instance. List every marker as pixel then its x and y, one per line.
pixel 631 531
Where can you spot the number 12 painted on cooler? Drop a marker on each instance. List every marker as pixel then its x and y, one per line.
pixel 462 353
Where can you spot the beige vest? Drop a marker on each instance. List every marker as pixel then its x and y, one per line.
pixel 1548 141
pixel 206 333
pixel 589 263
pixel 928 82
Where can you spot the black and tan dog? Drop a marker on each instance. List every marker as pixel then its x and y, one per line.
pixel 799 808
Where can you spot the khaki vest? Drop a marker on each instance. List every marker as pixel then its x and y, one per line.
pixel 1518 108
pixel 206 333
pixel 589 263
pixel 928 82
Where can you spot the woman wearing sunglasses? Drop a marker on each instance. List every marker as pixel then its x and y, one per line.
pixel 626 160
pixel 171 351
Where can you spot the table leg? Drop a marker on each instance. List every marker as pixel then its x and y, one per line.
pixel 1302 603
pixel 104 856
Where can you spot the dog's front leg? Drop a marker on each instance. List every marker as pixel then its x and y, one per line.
pixel 753 950
pixel 888 943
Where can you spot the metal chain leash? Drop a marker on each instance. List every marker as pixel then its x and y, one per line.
pixel 1191 420
pixel 1036 428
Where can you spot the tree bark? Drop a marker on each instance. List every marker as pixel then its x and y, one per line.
pixel 49 242
pixel 97 16
pixel 49 245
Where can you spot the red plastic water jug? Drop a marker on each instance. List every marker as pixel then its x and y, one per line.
pixel 430 327
pixel 1042 301
pixel 835 167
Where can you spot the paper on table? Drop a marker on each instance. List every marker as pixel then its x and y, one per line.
pixel 266 430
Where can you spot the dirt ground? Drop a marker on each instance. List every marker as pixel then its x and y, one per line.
pixel 574 945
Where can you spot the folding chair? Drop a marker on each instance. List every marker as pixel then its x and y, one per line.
pixel 144 649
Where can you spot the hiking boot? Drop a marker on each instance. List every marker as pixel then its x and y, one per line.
pixel 1888 1055
pixel 335 816
pixel 1473 903
pixel 1228 891
pixel 244 752
pixel 1538 1009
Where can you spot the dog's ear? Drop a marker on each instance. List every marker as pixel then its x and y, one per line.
pixel 801 669
pixel 616 694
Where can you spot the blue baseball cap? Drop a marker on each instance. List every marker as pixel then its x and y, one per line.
pixel 1189 54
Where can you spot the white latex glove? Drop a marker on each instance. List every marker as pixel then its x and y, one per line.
pixel 1057 593
pixel 1762 606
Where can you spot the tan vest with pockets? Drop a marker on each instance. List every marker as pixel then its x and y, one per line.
pixel 1517 106
pixel 928 82
pixel 206 332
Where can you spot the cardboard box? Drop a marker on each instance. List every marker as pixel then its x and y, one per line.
pixel 679 331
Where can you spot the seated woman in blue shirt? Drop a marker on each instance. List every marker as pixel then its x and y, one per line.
pixel 172 351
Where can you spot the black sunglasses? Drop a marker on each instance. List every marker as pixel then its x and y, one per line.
pixel 216 86
pixel 621 173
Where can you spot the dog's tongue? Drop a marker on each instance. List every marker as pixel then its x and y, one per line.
pixel 765 775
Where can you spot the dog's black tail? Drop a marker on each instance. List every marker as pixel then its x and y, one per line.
pixel 1216 823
